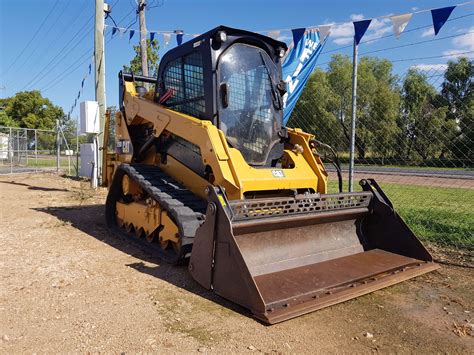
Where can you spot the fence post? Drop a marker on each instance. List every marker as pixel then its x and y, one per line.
pixel 353 116
pixel 10 150
pixel 36 150
pixel 57 146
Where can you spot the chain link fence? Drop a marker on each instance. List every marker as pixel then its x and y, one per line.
pixel 24 150
pixel 414 135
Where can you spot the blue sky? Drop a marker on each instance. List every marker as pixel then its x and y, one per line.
pixel 57 56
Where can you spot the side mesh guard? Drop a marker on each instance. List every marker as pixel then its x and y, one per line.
pixel 384 229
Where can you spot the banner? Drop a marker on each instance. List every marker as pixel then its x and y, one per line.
pixel 298 66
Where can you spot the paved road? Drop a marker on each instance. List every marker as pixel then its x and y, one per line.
pixel 451 174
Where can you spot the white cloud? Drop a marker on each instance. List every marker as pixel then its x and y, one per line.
pixel 462 44
pixel 430 67
pixel 429 32
pixel 466 40
pixel 357 17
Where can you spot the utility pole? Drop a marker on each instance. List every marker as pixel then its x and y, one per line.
pixel 353 116
pixel 143 46
pixel 99 58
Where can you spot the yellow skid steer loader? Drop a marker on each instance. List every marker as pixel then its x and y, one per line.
pixel 205 172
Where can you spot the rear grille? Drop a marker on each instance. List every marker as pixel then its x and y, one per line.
pixel 260 208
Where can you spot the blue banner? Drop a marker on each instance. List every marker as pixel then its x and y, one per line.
pixel 298 66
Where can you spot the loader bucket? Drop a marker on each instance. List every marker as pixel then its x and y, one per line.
pixel 284 257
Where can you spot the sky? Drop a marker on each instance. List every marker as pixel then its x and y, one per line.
pixel 47 45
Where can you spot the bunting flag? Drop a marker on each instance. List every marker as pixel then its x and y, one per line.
pixel 82 84
pixel 359 29
pixel 152 36
pixel 179 38
pixel 297 35
pixel 114 30
pixel 400 22
pixel 324 31
pixel 440 16
pixel 166 38
pixel 274 34
pixel 78 94
pixel 132 32
pixel 297 68
pixel 196 35
pixel 90 68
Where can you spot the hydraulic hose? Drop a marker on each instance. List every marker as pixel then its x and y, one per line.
pixel 334 161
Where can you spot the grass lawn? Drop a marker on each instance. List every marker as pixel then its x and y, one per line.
pixel 435 214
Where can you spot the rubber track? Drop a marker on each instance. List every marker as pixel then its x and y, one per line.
pixel 186 209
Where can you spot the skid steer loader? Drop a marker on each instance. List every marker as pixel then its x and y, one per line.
pixel 204 172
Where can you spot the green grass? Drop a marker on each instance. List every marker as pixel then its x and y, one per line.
pixel 435 214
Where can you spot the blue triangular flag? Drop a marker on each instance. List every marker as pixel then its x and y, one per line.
pixel 82 84
pixel 90 68
pixel 359 29
pixel 78 95
pixel 297 35
pixel 132 32
pixel 440 16
pixel 114 30
pixel 179 38
pixel 152 36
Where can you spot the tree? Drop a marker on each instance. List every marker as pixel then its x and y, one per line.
pixel 423 123
pixel 28 109
pixel 152 56
pixel 6 121
pixel 458 95
pixel 378 103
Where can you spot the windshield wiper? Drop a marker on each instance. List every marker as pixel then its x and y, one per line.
pixel 277 103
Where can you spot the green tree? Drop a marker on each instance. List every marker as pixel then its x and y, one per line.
pixel 315 109
pixel 152 57
pixel 458 95
pixel 6 121
pixel 423 123
pixel 28 109
pixel 378 102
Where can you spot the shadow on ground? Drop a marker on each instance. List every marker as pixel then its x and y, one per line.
pixel 90 219
pixel 30 187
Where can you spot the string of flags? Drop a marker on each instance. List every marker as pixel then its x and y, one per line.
pixel 81 90
pixel 399 23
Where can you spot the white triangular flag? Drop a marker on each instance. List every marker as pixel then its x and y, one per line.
pixel 324 32
pixel 399 23
pixel 274 34
pixel 166 38
pixel 196 35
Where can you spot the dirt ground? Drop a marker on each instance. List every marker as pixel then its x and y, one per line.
pixel 67 285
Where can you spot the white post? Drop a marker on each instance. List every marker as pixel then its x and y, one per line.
pixel 353 117
pixel 99 58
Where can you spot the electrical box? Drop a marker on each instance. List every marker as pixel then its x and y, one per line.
pixel 90 122
pixel 88 160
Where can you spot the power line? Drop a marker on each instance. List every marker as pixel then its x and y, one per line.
pixel 68 71
pixel 41 43
pixel 38 77
pixel 392 34
pixel 415 43
pixel 432 57
pixel 32 38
